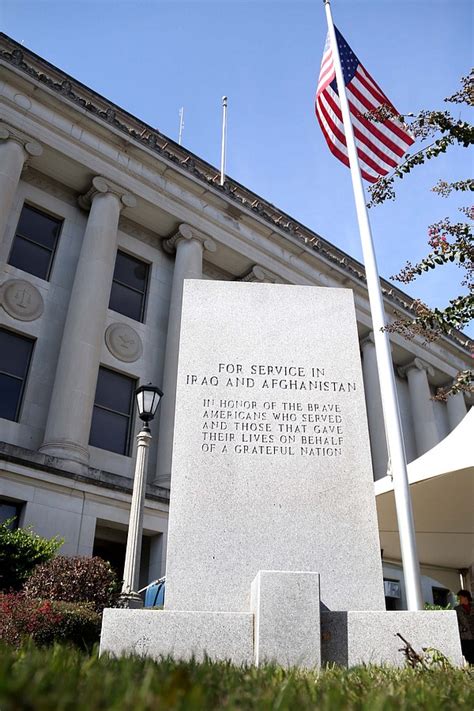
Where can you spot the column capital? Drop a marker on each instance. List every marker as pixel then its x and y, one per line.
pixel 101 186
pixel 259 274
pixel 448 384
pixel 416 364
pixel 188 233
pixel 31 147
pixel 367 340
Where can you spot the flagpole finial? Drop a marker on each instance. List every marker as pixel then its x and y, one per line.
pixel 224 101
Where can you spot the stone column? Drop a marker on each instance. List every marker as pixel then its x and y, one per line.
pixel 15 148
pixel 189 247
pixel 457 409
pixel 373 400
pixel 157 565
pixel 70 410
pixel 422 408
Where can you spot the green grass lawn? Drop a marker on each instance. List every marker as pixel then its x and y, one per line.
pixel 63 678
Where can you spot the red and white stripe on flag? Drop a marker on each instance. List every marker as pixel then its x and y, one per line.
pixel 380 145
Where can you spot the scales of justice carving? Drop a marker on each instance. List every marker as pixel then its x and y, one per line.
pixel 21 300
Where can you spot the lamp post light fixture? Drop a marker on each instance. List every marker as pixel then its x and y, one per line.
pixel 148 398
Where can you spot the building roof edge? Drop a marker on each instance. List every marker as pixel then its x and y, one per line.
pixel 166 148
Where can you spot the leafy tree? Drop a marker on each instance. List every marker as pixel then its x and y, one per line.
pixel 449 241
pixel 21 551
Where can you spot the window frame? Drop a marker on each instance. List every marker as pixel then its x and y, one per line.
pixel 16 377
pixel 53 251
pixel 18 506
pixel 144 293
pixel 130 415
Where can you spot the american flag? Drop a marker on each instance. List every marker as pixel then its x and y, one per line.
pixel 380 144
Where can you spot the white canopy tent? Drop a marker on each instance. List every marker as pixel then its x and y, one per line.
pixel 442 492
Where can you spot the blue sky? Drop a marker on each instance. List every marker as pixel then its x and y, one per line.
pixel 152 57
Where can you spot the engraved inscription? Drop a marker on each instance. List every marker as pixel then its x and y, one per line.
pixel 263 414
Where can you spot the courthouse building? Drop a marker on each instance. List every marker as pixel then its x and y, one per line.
pixel 101 219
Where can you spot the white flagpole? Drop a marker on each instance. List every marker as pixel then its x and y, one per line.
pixel 390 407
pixel 224 137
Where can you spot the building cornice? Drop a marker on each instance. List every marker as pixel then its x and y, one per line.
pixel 13 454
pixel 241 200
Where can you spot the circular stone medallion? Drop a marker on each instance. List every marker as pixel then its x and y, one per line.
pixel 22 101
pixel 123 342
pixel 21 300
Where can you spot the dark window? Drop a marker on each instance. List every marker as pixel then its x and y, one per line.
pixel 110 544
pixel 10 511
pixel 113 552
pixel 440 596
pixel 15 355
pixel 113 408
pixel 129 286
pixel 392 590
pixel 35 242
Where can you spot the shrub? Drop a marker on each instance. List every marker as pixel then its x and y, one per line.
pixel 46 622
pixel 20 618
pixel 78 624
pixel 430 606
pixel 77 579
pixel 20 551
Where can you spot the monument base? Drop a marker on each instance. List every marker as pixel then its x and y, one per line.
pixel 287 627
pixel 360 637
pixel 220 636
pixel 284 627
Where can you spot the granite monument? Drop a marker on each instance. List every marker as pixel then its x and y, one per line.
pixel 272 530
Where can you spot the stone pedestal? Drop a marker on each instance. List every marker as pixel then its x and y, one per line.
pixel 219 636
pixel 352 638
pixel 286 619
pixel 285 628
